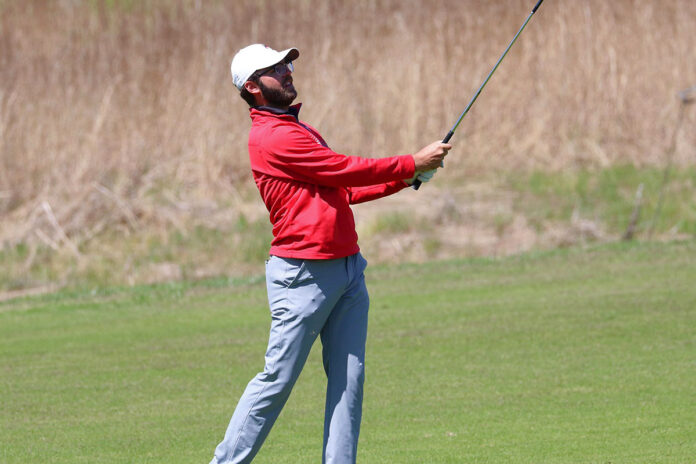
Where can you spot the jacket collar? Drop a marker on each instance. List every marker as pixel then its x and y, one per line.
pixel 293 110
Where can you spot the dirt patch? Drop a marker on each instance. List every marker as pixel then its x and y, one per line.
pixel 473 220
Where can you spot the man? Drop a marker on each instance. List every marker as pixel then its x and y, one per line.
pixel 314 274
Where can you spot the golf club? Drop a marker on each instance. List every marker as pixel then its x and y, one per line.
pixel 416 184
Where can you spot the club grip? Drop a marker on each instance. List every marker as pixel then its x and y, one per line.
pixel 416 183
pixel 536 7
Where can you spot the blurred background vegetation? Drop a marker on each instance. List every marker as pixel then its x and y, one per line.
pixel 123 142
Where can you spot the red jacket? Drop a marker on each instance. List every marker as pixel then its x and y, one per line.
pixel 307 187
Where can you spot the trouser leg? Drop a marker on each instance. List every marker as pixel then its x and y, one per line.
pixel 343 339
pixel 301 297
pixel 266 394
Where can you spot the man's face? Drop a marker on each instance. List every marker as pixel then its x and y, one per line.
pixel 276 85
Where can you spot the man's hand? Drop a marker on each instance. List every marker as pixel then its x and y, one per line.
pixel 421 176
pixel 431 156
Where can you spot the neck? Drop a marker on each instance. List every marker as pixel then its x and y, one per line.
pixel 266 104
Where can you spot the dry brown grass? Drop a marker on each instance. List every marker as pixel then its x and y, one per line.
pixel 120 120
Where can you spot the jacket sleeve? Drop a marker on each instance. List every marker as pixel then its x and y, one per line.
pixel 295 153
pixel 373 192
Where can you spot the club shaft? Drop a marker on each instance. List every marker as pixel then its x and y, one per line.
pixel 478 92
pixel 417 183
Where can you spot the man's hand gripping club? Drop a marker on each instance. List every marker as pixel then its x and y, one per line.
pixel 427 160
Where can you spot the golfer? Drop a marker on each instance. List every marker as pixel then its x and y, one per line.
pixel 314 275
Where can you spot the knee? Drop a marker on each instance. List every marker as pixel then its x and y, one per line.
pixel 279 376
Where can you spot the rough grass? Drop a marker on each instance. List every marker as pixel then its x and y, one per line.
pixel 119 121
pixel 497 216
pixel 574 356
pixel 609 197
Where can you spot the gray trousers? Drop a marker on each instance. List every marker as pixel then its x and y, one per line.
pixel 307 298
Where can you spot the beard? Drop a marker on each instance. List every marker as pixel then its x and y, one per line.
pixel 283 96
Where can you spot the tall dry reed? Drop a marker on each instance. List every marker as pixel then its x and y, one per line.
pixel 118 118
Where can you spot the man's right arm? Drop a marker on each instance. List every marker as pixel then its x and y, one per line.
pixel 293 153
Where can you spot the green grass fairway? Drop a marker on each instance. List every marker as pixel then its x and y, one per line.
pixel 574 356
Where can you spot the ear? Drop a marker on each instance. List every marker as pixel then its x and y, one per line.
pixel 252 87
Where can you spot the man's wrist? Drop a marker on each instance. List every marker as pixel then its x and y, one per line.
pixel 411 180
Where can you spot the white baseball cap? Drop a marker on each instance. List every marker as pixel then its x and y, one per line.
pixel 250 59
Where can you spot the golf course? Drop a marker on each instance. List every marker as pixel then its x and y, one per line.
pixel 573 356
pixel 533 302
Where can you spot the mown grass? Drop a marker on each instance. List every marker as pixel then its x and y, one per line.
pixel 574 356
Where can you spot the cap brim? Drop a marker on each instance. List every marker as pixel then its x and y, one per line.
pixel 291 54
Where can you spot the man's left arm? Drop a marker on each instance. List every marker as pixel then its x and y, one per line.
pixel 373 192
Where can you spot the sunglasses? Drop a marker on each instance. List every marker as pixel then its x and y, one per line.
pixel 279 69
